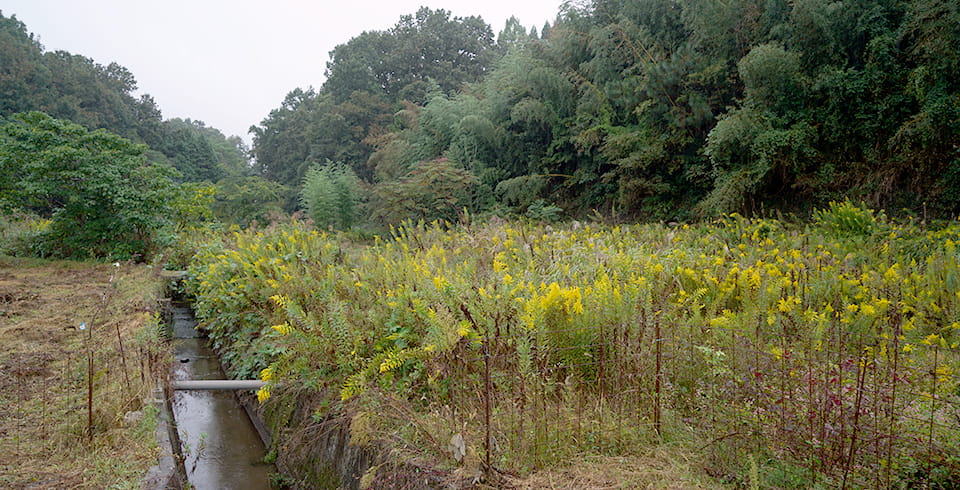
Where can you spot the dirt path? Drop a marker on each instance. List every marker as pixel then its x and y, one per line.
pixel 44 436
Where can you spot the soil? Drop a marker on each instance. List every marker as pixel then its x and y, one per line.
pixel 44 432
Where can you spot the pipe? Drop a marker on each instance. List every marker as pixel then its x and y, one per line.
pixel 217 384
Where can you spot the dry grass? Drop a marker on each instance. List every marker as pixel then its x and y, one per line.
pixel 664 467
pixel 44 438
pixel 420 439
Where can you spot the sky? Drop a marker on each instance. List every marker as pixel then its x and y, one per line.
pixel 228 63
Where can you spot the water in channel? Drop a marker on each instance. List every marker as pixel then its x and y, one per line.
pixel 221 448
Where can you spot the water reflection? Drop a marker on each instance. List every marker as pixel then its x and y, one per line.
pixel 220 446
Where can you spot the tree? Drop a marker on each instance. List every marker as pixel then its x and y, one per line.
pixel 513 34
pixel 313 127
pixel 189 150
pixel 247 200
pixel 102 198
pixel 665 109
pixel 436 189
pixel 330 195
pixel 429 45
pixel 21 73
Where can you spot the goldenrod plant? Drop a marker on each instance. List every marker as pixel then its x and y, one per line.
pixel 812 348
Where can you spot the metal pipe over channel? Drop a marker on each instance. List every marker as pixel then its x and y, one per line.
pixel 217 384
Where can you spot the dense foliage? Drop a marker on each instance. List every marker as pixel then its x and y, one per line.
pixel 330 196
pixel 75 88
pixel 829 349
pixel 368 78
pixel 794 344
pixel 95 188
pixel 665 109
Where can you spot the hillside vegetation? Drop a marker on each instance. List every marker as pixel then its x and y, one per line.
pixel 436 247
pixel 642 109
pixel 646 108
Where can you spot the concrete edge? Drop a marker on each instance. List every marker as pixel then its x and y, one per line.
pixel 165 475
pixel 258 423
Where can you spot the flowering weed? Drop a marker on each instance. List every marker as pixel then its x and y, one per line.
pixel 797 343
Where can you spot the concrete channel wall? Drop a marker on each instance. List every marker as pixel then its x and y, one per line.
pixel 330 456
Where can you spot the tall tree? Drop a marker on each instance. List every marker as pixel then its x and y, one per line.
pixel 427 45
pixel 102 197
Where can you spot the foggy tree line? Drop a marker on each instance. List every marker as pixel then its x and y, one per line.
pixel 642 109
pixel 660 109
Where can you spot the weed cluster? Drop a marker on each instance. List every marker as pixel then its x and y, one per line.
pixel 825 352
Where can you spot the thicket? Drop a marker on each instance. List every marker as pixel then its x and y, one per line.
pixel 644 109
pixel 797 347
pixel 91 193
pixel 653 108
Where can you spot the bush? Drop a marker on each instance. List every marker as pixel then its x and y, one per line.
pixel 20 233
pixel 103 200
pixel 844 219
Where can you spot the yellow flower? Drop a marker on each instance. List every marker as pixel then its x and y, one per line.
pixel 777 352
pixel 785 305
pixel 944 373
pixel 263 394
pixel 440 283
pixel 393 361
pixel 498 264
pixel 935 339
pixel 753 280
pixel 892 275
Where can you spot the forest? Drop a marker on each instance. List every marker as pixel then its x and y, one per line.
pixel 704 241
pixel 653 110
pixel 650 110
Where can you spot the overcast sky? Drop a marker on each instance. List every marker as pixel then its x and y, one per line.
pixel 228 63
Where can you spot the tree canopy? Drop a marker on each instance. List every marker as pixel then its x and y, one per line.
pixel 100 195
pixel 648 108
pixel 75 88
pixel 651 109
pixel 367 80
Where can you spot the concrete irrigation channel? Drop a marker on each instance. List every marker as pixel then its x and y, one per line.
pixel 220 447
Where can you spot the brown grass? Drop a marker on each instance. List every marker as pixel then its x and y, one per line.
pixel 420 440
pixel 43 376
pixel 664 467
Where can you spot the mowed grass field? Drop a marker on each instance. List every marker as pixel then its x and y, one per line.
pixel 45 437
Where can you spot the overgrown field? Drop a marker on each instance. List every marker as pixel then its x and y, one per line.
pixel 752 352
pixel 54 318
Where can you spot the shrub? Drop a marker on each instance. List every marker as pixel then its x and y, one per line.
pixel 844 219
pixel 103 200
